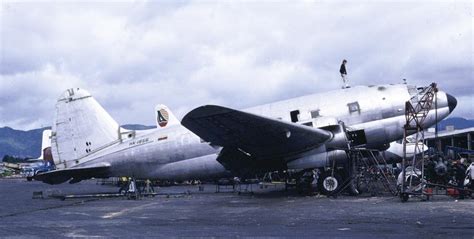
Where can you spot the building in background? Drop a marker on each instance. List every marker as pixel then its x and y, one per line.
pixel 458 140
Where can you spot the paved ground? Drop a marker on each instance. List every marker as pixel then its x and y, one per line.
pixel 268 213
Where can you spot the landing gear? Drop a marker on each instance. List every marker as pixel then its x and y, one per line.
pixel 336 180
pixel 329 182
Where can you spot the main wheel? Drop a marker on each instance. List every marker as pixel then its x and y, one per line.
pixel 329 183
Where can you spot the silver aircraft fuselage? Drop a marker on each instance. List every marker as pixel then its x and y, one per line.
pixel 175 153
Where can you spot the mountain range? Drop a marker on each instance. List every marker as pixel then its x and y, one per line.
pixel 27 144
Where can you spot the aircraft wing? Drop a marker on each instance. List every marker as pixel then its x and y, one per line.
pixel 14 166
pixel 256 136
pixel 76 174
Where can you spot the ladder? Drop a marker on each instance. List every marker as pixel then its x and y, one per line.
pixel 374 169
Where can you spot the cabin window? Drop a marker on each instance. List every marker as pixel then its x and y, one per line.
pixel 353 107
pixel 314 114
pixel 294 115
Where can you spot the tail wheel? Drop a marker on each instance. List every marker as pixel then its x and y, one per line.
pixel 328 183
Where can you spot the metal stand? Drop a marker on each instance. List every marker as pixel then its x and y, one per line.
pixel 147 188
pixel 367 169
pixel 134 189
pixel 363 167
pixel 416 111
pixel 228 185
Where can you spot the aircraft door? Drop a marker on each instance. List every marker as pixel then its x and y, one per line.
pixel 357 138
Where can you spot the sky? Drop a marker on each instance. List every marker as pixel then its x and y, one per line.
pixel 133 55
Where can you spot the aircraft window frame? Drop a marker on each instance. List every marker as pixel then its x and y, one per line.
pixel 315 113
pixel 353 107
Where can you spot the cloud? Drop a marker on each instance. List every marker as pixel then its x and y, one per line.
pixel 133 55
pixel 465 106
pixel 28 98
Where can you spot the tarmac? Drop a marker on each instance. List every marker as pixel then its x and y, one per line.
pixel 185 211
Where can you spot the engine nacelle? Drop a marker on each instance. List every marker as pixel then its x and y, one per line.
pixel 319 159
pixel 329 153
pixel 338 139
pixel 331 124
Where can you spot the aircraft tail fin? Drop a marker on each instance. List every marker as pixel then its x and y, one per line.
pixel 81 126
pixel 164 117
pixel 45 143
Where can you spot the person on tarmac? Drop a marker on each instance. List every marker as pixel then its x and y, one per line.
pixel 460 174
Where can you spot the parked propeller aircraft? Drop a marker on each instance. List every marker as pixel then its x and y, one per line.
pixel 33 166
pixel 394 153
pixel 304 133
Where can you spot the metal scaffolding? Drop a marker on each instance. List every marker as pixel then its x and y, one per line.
pixel 416 111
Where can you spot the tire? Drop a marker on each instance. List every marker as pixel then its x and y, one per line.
pixel 329 184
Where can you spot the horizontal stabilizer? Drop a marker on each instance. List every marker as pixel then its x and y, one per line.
pixel 77 174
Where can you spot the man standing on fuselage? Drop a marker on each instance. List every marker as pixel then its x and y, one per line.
pixel 343 72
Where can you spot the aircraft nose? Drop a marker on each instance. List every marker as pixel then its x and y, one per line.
pixel 452 102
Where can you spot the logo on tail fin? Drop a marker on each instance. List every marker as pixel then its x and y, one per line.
pixel 162 117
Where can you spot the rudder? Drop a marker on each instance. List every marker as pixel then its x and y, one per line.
pixel 45 142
